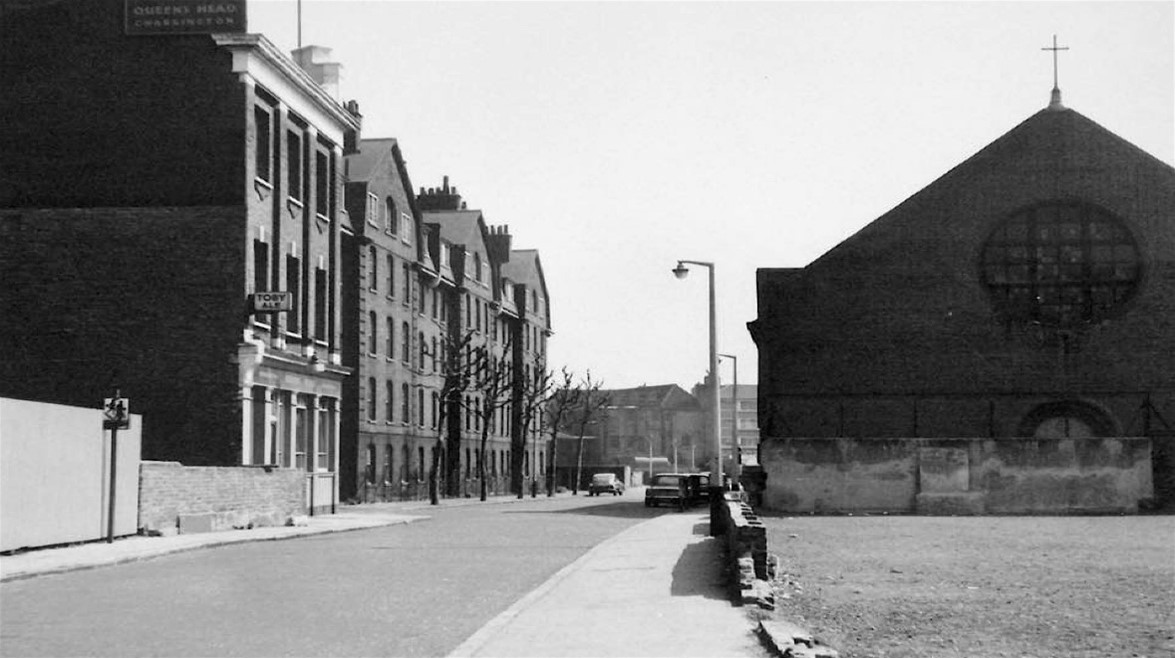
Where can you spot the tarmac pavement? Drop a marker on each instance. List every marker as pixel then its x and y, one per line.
pixel 655 589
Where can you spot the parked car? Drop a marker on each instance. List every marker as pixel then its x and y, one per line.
pixel 605 483
pixel 681 490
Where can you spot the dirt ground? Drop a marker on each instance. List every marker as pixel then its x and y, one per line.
pixel 1039 587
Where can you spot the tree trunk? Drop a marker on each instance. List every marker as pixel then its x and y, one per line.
pixel 551 468
pixel 434 494
pixel 484 483
pixel 578 467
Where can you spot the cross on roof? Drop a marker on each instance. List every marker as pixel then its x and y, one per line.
pixel 1055 49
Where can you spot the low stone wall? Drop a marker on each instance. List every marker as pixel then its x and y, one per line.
pixel 176 498
pixel 747 561
pixel 956 476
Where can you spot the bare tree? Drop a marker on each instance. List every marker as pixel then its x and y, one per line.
pixel 530 393
pixel 557 407
pixel 593 405
pixel 455 374
pixel 490 380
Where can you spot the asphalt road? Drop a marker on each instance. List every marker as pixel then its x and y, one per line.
pixel 408 590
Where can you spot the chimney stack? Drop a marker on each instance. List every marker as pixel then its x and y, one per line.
pixel 442 198
pixel 315 60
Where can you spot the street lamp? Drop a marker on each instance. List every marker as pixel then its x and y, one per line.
pixel 736 454
pixel 681 271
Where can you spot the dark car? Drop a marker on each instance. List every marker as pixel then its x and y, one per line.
pixel 605 483
pixel 680 490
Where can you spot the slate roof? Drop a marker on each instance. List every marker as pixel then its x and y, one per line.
pixel 457 226
pixel 371 153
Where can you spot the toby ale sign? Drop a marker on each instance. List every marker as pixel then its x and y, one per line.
pixel 272 302
pixel 184 16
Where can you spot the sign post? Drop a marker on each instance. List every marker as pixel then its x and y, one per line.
pixel 115 416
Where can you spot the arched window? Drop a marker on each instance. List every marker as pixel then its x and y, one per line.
pixel 405 403
pixel 405 463
pixel 1067 419
pixel 406 343
pixel 435 405
pixel 390 402
pixel 371 398
pixel 477 267
pixel 389 463
pixel 1060 264
pixel 393 219
pixel 434 353
pixel 391 337
pixel 423 351
pixel 369 467
pixel 420 456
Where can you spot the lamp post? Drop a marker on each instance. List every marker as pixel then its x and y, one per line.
pixel 736 453
pixel 716 488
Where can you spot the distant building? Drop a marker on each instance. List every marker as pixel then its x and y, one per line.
pixel 991 344
pixel 662 420
pixel 740 418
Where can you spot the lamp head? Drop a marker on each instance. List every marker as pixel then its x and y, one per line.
pixel 681 271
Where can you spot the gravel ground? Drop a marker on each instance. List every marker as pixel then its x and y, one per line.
pixel 1040 587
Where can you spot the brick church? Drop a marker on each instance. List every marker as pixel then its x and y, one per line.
pixel 1000 342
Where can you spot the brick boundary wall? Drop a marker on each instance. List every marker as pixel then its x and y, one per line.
pixel 174 498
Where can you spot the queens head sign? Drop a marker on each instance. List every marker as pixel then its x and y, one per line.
pixel 184 16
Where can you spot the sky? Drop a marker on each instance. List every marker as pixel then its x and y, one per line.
pixel 618 138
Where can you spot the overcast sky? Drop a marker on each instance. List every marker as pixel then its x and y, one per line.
pixel 617 138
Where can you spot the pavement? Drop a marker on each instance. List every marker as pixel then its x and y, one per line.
pixel 656 589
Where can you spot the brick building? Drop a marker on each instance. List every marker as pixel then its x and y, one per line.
pixel 139 213
pixel 1017 310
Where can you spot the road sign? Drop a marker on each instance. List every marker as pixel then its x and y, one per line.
pixel 272 302
pixel 116 414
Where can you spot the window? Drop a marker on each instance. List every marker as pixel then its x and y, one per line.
pixel 423 351
pixel 422 298
pixel 1060 264
pixel 294 165
pixel 477 267
pixel 260 266
pixel 405 403
pixel 326 431
pixel 420 454
pixel 320 303
pixel 390 400
pixel 445 255
pixel 372 209
pixel 389 463
pixel 301 429
pixel 391 337
pixel 369 466
pixel 393 218
pixel 405 228
pixel 435 405
pixel 434 353
pixel 371 398
pixel 263 155
pixel 406 344
pixel 435 297
pixel 294 286
pixel 391 276
pixel 373 263
pixel 373 336
pixel 321 183
pixel 420 407
pixel 407 301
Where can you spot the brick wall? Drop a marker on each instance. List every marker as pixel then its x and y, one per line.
pixel 148 119
pixel 149 298
pixel 232 497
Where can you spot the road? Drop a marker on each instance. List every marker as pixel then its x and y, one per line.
pixel 408 590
